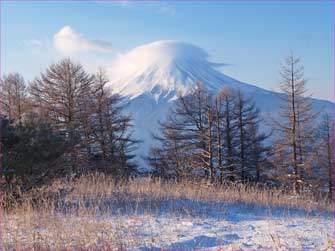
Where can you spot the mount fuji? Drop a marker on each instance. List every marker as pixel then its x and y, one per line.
pixel 152 76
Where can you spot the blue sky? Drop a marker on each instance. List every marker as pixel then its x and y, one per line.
pixel 253 38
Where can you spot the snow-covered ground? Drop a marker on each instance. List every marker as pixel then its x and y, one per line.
pixel 251 232
pixel 96 212
pixel 199 226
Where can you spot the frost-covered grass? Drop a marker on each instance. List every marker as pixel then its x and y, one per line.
pixel 96 212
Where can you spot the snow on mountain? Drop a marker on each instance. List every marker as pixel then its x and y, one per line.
pixel 165 68
pixel 151 76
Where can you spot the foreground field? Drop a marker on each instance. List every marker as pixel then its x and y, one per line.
pixel 95 212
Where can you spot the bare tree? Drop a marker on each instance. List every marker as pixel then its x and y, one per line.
pixel 257 153
pixel 226 134
pixel 218 107
pixel 62 92
pixel 326 153
pixel 247 115
pixel 202 132
pixel 295 126
pixel 171 158
pixel 189 130
pixel 111 128
pixel 14 98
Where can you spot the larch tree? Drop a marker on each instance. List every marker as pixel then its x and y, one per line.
pixel 246 117
pixel 188 134
pixel 62 89
pixel 196 112
pixel 170 158
pixel 111 129
pixel 226 134
pixel 326 153
pixel 62 92
pixel 14 97
pixel 204 132
pixel 218 113
pixel 257 152
pixel 295 125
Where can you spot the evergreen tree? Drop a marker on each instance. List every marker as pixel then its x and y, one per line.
pixel 33 153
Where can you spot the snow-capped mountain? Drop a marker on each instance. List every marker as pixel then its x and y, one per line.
pixel 165 68
pixel 151 76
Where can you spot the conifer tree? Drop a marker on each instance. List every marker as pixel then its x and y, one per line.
pixel 295 127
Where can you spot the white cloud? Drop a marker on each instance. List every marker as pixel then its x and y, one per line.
pixel 69 41
pixel 157 7
pixel 124 3
pixel 167 10
pixel 33 43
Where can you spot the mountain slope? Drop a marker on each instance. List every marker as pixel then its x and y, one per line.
pixel 152 76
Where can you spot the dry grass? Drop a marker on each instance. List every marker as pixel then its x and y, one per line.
pixel 72 214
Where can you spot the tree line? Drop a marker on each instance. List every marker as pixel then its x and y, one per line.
pixel 67 122
pixel 221 137
pixel 64 123
pixel 217 136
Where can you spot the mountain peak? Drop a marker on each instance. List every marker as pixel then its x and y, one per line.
pixel 161 68
pixel 164 69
